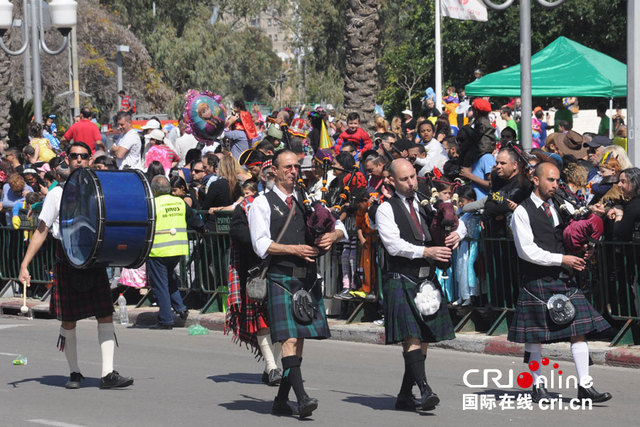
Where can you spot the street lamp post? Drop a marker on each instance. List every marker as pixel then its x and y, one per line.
pixel 63 17
pixel 526 138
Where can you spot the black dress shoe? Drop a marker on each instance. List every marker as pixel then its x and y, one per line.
pixel 429 399
pixel 306 406
pixel 539 392
pixel 115 380
pixel 74 381
pixel 406 402
pixel 183 314
pixel 284 407
pixel 428 402
pixel 274 377
pixel 591 393
pixel 161 326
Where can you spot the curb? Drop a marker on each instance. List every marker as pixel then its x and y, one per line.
pixel 469 342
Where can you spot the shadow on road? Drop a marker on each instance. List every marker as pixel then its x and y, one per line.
pixel 56 381
pixel 237 377
pixel 381 403
pixel 249 404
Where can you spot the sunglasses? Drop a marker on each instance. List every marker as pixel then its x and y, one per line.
pixel 74 156
pixel 197 170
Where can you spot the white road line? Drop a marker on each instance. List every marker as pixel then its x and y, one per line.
pixel 53 423
pixel 8 354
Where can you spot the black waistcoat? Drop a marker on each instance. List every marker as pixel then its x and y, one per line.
pixel 409 232
pixel 547 237
pixel 294 235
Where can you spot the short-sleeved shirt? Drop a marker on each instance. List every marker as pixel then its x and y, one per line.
pixel 50 214
pixel 84 131
pixel 165 155
pixel 130 141
pixel 481 168
pixel 46 153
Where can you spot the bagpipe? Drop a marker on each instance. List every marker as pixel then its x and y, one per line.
pixel 319 220
pixel 443 217
pixel 346 190
pixel 326 165
pixel 581 226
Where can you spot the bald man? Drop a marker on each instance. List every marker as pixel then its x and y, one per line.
pixel 546 272
pixel 403 225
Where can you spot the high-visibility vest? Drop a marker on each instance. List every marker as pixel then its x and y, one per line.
pixel 170 238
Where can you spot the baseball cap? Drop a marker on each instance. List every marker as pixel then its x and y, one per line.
pixel 151 124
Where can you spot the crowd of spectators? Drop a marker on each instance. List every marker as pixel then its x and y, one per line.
pixel 461 156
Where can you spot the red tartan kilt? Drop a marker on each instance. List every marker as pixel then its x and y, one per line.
pixel 70 304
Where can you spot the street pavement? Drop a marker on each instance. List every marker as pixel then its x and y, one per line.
pixel 208 380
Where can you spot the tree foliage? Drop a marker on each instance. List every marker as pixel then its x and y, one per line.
pixel 192 53
pixel 491 45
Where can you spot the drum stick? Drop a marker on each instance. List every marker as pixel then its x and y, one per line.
pixel 24 309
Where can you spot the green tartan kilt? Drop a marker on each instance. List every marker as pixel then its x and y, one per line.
pixel 402 318
pixel 532 323
pixel 283 325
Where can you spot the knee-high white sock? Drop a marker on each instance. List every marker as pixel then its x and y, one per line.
pixel 70 348
pixel 535 353
pixel 264 340
pixel 580 352
pixel 277 351
pixel 107 346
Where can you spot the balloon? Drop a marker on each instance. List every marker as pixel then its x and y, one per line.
pixel 204 115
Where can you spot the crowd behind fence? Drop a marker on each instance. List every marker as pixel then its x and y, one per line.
pixel 610 281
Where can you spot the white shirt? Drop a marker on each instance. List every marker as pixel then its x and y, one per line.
pixel 183 144
pixel 389 232
pixel 436 156
pixel 130 141
pixel 523 235
pixel 315 191
pixel 260 222
pixel 50 214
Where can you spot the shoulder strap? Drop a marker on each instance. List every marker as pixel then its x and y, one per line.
pixel 263 273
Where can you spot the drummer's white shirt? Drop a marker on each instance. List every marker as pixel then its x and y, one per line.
pixel 50 214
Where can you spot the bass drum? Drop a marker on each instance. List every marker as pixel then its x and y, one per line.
pixel 107 218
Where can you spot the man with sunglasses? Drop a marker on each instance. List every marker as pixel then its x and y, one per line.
pixel 292 268
pixel 76 293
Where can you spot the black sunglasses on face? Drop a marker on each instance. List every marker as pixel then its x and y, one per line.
pixel 83 156
pixel 197 170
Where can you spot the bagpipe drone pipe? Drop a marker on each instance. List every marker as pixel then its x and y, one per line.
pixel 318 217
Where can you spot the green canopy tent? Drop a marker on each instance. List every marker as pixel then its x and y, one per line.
pixel 563 68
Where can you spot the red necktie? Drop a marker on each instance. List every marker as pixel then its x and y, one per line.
pixel 547 211
pixel 289 201
pixel 414 215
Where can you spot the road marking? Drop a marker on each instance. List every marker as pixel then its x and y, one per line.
pixel 53 423
pixel 8 354
pixel 10 326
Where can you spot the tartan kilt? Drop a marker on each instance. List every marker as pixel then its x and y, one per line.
pixel 403 320
pixel 532 324
pixel 282 322
pixel 70 304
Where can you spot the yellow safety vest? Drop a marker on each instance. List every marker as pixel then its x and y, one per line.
pixel 170 238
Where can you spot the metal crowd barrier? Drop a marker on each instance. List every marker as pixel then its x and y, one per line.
pixel 618 290
pixel 613 275
pixel 13 245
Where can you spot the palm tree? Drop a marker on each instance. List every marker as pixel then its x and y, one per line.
pixel 360 82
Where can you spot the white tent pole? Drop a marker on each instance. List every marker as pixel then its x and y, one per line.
pixel 438 59
pixel 610 118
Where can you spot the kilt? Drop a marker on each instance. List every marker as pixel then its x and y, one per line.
pixel 402 318
pixel 282 322
pixel 69 303
pixel 532 324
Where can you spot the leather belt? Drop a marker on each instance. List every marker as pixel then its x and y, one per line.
pixel 299 272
